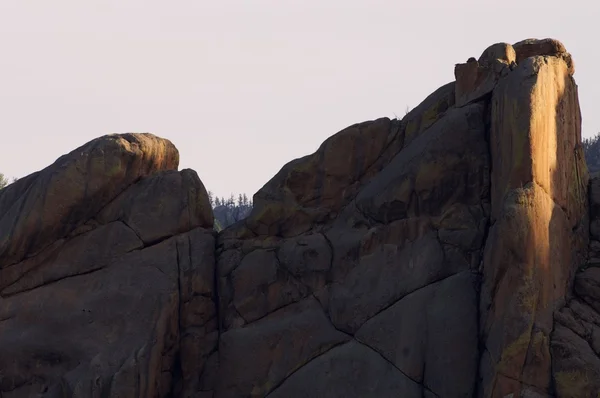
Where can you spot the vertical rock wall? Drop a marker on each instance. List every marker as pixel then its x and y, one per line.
pixel 539 231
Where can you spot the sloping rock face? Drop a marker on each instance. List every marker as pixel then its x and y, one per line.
pixel 436 249
pixel 106 273
pixel 377 294
pixel 446 254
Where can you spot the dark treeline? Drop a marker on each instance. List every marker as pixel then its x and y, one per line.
pixel 591 147
pixel 4 181
pixel 228 211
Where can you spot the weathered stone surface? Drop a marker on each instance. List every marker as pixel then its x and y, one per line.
pixel 544 131
pixel 431 335
pixel 177 199
pixel 428 112
pixel 307 190
pixel 544 47
pixel 594 203
pixel 261 286
pixel 587 286
pixel 111 332
pixel 477 78
pixel 419 220
pixel 117 277
pixel 50 204
pixel 351 370
pixel 575 344
pixel 576 366
pixel 538 206
pixel 198 313
pixel 93 334
pixel 84 253
pixel 446 254
pixel 383 277
pixel 257 358
pixel 434 172
pixel 526 269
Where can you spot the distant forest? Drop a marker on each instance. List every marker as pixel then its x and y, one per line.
pixel 591 148
pixel 229 211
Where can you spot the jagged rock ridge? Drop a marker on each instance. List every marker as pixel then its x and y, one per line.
pixel 430 256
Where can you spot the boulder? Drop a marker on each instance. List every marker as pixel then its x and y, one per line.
pixel 106 270
pixel 543 47
pixel 51 204
pixel 477 78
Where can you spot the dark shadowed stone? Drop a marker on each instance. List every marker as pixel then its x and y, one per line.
pixel 478 78
pixel 260 285
pixel 358 273
pixel 385 276
pixel 50 204
pixel 587 286
pixel 95 333
pixel 258 357
pixel 446 165
pixel 431 335
pixel 81 254
pixel 576 367
pixel 308 258
pixel 178 201
pixel 350 370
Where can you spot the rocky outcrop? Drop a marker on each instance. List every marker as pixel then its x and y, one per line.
pixel 539 231
pixel 460 240
pixel 98 298
pixel 398 259
pixel 446 254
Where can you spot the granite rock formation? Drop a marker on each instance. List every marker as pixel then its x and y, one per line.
pixel 107 264
pixel 447 254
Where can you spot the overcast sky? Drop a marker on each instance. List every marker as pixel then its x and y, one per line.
pixel 243 87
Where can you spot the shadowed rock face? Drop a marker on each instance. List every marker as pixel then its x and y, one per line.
pixel 446 254
pixel 106 273
pixel 410 238
pixel 576 337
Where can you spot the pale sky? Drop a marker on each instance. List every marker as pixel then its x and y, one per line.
pixel 243 87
